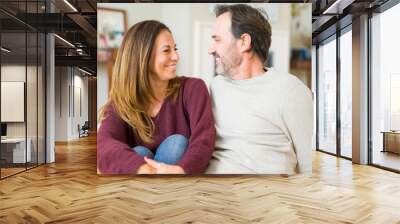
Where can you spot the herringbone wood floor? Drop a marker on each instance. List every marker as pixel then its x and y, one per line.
pixel 69 191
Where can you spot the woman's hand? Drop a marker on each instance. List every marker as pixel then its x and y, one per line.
pixel 162 168
pixel 146 169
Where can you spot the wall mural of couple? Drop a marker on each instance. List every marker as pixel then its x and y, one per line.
pixel 251 118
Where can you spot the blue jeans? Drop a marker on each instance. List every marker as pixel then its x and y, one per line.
pixel 169 151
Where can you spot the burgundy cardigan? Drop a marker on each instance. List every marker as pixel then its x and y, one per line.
pixel 190 115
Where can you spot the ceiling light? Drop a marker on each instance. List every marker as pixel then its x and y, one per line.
pixel 64 40
pixel 329 9
pixel 70 5
pixel 5 49
pixel 84 71
pixel 337 7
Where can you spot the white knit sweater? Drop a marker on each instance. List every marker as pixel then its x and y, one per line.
pixel 264 125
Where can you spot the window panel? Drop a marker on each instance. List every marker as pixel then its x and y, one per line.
pixel 346 94
pixel 327 97
pixel 385 90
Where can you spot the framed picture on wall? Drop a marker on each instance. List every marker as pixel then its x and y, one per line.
pixel 111 28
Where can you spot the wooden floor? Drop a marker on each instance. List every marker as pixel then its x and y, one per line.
pixel 5 172
pixel 10 171
pixel 69 191
pixel 387 159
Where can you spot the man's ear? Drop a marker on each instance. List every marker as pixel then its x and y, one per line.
pixel 245 42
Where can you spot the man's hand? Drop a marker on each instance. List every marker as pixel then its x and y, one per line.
pixel 162 168
pixel 146 169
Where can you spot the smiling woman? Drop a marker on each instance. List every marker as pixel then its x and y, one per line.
pixel 154 122
pixel 164 58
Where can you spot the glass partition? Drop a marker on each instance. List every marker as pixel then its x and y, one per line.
pixel 13 103
pixel 22 88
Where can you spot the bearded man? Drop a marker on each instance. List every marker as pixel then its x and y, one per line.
pixel 264 118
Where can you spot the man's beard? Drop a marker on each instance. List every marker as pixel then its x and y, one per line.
pixel 228 66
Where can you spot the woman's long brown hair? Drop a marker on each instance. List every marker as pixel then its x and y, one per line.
pixel 131 93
